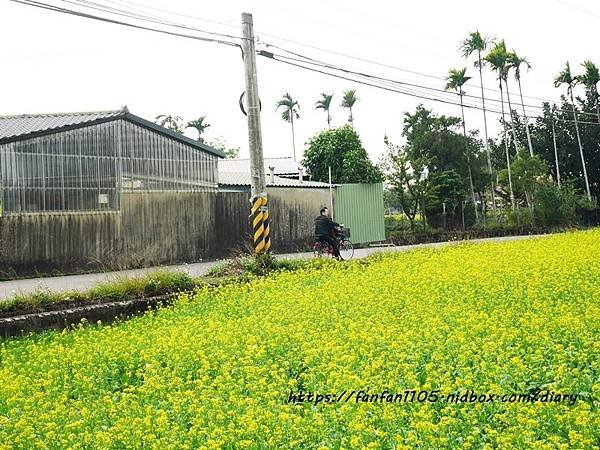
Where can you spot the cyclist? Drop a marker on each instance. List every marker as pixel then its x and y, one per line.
pixel 324 231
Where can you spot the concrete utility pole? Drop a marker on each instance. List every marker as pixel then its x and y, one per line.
pixel 555 153
pixel 258 191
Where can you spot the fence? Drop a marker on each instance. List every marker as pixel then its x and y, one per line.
pixel 152 228
pixel 360 207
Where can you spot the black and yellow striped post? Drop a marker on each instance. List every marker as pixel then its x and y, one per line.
pixel 261 232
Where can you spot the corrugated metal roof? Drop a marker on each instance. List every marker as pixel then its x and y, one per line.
pixel 283 166
pixel 24 126
pixel 243 179
pixel 13 126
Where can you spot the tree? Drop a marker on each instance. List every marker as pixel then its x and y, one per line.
pixel 348 101
pixel 290 111
pixel 590 80
pixel 445 193
pixel 565 77
pixel 528 174
pixel 476 42
pixel 556 124
pixel 340 149
pixel 455 81
pixel 515 62
pixel 173 123
pixel 404 176
pixel 199 125
pixel 497 60
pixel 436 144
pixel 220 144
pixel 325 105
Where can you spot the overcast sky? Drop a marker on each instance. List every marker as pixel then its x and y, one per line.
pixel 57 63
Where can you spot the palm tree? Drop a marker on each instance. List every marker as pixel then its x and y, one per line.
pixel 496 58
pixel 514 62
pixel 290 111
pixel 565 77
pixel 348 101
pixel 478 43
pixel 325 105
pixel 455 81
pixel 199 125
pixel 590 80
pixel 173 123
pixel 503 54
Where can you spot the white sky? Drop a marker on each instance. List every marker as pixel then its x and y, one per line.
pixel 57 63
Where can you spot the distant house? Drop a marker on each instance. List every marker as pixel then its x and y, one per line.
pixel 284 167
pixel 240 182
pixel 84 161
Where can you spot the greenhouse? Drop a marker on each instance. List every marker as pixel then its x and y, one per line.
pixel 85 161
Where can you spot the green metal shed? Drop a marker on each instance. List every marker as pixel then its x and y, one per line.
pixel 360 208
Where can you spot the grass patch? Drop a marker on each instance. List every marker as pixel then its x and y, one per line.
pixel 256 265
pixel 151 285
pixel 155 284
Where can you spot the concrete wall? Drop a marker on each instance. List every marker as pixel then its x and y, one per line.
pixel 291 211
pixel 152 228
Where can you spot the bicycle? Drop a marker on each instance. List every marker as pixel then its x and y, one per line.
pixel 346 247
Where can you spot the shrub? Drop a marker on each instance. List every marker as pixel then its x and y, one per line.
pixel 554 206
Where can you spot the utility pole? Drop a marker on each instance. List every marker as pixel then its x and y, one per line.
pixel 330 195
pixel 258 192
pixel 555 153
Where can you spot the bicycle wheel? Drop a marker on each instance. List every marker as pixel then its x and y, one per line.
pixel 346 250
pixel 319 249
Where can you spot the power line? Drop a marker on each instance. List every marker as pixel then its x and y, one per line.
pixel 528 106
pixel 579 9
pixel 154 19
pixel 54 8
pixel 380 85
pixel 159 20
pixel 395 83
pixel 378 63
pixel 214 22
pixel 411 89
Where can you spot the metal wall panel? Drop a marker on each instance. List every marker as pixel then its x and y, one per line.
pixel 360 208
pixel 66 171
pixel 154 162
pixel 86 169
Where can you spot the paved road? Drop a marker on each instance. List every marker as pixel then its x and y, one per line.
pixel 86 281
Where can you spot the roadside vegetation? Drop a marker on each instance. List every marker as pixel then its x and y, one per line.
pixel 154 284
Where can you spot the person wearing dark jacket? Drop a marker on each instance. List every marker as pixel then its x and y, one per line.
pixel 324 227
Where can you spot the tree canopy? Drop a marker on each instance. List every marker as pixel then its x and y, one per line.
pixel 342 150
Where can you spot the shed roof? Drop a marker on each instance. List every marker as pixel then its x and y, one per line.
pixel 282 165
pixel 24 126
pixel 243 179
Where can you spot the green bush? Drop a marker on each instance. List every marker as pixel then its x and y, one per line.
pixel 554 206
pixel 519 218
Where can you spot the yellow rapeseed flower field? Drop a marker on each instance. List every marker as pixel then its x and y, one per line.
pixel 217 369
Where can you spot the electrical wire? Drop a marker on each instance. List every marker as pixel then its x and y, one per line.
pixel 153 19
pixel 307 59
pixel 305 62
pixel 378 63
pixel 379 85
pixel 159 20
pixel 401 83
pixel 54 8
pixel 214 22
